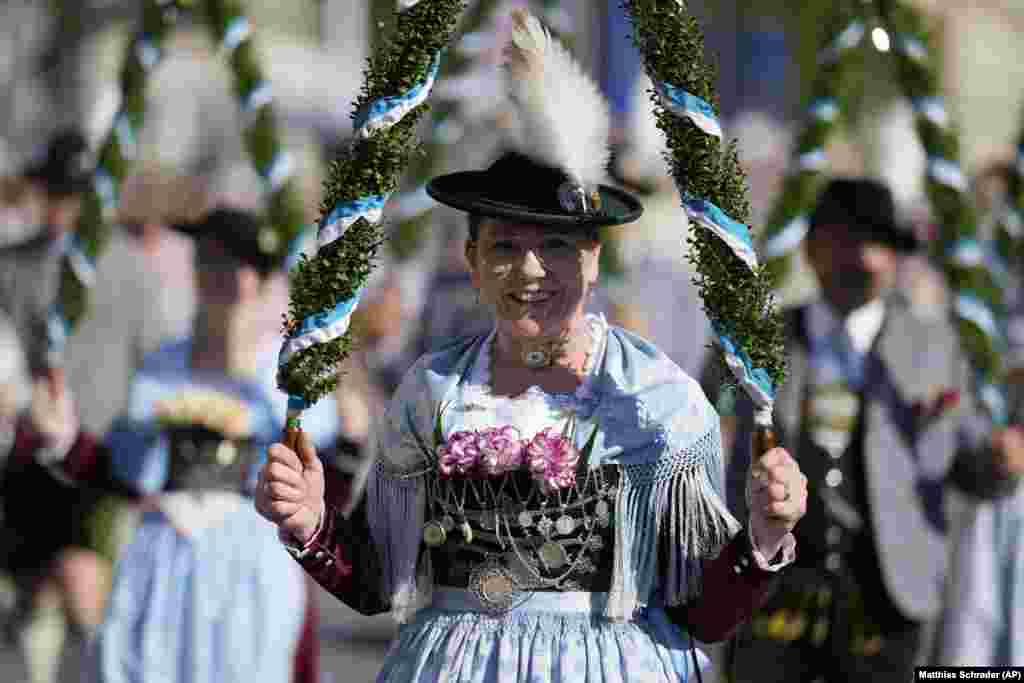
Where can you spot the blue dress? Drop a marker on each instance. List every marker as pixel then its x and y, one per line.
pixel 204 592
pixel 648 422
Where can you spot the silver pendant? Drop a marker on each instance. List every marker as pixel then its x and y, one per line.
pixel 565 525
pixel 494 586
pixel 467 531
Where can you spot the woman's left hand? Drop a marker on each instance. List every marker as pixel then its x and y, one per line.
pixel 777 498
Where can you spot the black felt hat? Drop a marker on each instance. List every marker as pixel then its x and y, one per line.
pixel 243 235
pixel 515 187
pixel 66 168
pixel 866 207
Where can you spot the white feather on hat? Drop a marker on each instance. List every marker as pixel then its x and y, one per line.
pixel 564 119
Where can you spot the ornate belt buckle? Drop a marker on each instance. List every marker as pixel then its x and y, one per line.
pixel 495 587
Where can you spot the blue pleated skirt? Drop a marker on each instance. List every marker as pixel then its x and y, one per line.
pixel 546 638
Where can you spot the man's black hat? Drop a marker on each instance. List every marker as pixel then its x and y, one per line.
pixel 243 235
pixel 67 167
pixel 515 187
pixel 866 207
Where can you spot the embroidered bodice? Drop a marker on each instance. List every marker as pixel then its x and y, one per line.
pixel 615 488
pixel 489 534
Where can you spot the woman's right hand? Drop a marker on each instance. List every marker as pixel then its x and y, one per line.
pixel 290 492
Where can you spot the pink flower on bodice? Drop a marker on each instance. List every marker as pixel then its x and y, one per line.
pixel 501 450
pixel 552 459
pixel 460 454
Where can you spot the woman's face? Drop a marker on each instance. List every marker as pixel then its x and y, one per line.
pixel 537 278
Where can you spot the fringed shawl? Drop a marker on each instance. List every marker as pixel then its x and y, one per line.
pixel 653 421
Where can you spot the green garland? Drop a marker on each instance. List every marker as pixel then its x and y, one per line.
pixel 736 299
pixel 99 206
pixel 284 211
pixel 974 286
pixel 825 103
pixel 371 168
pixel 114 160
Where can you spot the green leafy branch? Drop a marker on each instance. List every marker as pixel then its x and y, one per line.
pixel 371 167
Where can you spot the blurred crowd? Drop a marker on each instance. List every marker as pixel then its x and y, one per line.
pixel 178 293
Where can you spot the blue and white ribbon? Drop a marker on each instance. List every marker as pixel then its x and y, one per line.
pixel 148 54
pixel 948 173
pixel 755 381
pixel 933 109
pixel 298 245
pixel 684 104
pixel 994 400
pixel 975 311
pixel 912 48
pixel 106 189
pixel 788 238
pixel 813 160
pixel 967 253
pixel 125 133
pixel 385 112
pixel 57 332
pixel 260 95
pixel 849 38
pixel 825 109
pixel 237 32
pixel 735 234
pixel 320 329
pixel 345 214
pixel 1012 223
pixel 81 264
pixel 278 171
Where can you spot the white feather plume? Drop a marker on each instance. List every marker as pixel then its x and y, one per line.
pixel 564 118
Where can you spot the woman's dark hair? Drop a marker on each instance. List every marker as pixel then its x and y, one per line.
pixel 476 220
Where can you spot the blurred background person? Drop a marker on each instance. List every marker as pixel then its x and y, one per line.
pixel 204 591
pixel 868 407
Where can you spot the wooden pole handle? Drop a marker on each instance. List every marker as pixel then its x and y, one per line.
pixel 762 441
pixel 291 437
